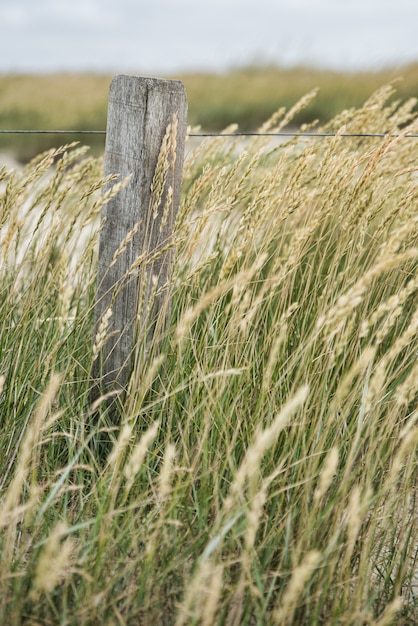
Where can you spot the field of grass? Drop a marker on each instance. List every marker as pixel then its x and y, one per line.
pixel 245 96
pixel 263 469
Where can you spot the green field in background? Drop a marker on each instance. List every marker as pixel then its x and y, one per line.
pixel 246 96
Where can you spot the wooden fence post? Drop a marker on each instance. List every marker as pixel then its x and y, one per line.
pixel 139 219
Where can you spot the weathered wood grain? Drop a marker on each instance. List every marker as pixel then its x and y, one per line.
pixel 139 112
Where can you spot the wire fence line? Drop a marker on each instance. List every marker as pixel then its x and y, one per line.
pixel 51 132
pixel 215 134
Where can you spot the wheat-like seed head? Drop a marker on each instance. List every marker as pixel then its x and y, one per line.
pixel 300 576
pixel 328 472
pixel 202 596
pixel 250 466
pixel 54 561
pixel 137 456
pixel 101 334
pixel 165 476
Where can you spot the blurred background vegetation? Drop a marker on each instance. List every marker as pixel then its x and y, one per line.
pixel 247 96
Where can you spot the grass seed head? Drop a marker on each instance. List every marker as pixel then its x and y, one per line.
pixel 54 562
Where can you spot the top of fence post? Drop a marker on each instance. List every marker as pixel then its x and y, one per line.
pixel 146 117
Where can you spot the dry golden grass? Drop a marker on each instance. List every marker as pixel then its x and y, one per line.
pixel 264 466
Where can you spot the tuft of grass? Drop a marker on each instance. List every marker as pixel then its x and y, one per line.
pixel 264 467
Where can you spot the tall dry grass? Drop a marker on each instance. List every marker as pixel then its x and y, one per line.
pixel 264 467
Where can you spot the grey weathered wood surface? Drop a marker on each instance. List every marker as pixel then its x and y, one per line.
pixel 139 111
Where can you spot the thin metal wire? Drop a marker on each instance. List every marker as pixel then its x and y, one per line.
pixel 279 134
pixel 296 134
pixel 52 132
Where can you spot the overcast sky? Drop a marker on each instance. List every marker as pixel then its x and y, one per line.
pixel 169 36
